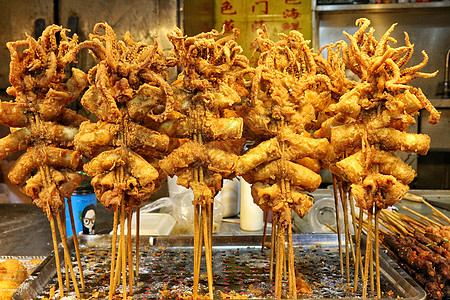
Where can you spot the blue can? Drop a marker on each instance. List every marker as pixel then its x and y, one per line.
pixel 84 206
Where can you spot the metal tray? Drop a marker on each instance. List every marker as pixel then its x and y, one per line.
pixel 237 263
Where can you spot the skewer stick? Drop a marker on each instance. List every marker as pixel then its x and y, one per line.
pixel 112 286
pixel 266 216
pixel 123 249
pixel 338 227
pixel 355 230
pixel 367 256
pixel 393 219
pixel 197 231
pixel 208 254
pixel 372 282
pixel 118 272
pixel 347 231
pixel 436 211
pixel 272 247
pixel 292 277
pixel 438 220
pixel 75 241
pixel 66 266
pixel 421 216
pixel 55 249
pixel 138 234
pixel 377 252
pixel 280 262
pixel 130 251
pixel 358 252
pixel 67 254
pixel 197 250
pixel 330 227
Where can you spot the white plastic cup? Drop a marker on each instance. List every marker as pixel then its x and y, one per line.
pixel 252 216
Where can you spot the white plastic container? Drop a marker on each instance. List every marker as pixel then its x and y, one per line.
pixel 252 216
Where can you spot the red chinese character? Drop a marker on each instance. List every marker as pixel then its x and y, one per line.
pixel 291 13
pixel 265 7
pixel 229 25
pixel 256 25
pixel 292 1
pixel 290 26
pixel 295 26
pixel 286 26
pixel 227 9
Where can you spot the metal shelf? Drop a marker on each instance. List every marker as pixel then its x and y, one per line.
pixel 380 7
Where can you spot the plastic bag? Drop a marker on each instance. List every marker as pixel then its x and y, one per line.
pixel 183 212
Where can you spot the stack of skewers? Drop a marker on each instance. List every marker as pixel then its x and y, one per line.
pixel 419 244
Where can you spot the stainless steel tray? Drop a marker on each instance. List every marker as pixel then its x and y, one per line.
pixel 237 263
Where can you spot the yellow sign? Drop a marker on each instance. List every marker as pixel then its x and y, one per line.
pixel 280 16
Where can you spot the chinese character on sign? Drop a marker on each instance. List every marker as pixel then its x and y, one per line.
pixel 227 9
pixel 292 1
pixel 291 26
pixel 256 25
pixel 263 8
pixel 228 25
pixel 291 13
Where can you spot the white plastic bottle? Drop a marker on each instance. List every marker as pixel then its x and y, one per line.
pixel 252 216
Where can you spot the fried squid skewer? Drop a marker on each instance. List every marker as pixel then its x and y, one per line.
pixel 47 128
pixel 204 97
pixel 284 161
pixel 123 146
pixel 369 123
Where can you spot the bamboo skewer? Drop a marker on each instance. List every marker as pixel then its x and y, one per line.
pixel 208 253
pixel 437 211
pixel 338 227
pixel 50 217
pixel 118 272
pixel 372 282
pixel 123 250
pixel 75 241
pixel 347 231
pixel 367 255
pixel 292 277
pixel 55 249
pixel 377 252
pixel 112 286
pixel 62 232
pixel 67 255
pixel 130 251
pixel 197 251
pixel 272 247
pixel 66 267
pixel 266 216
pixel 330 227
pixel 357 256
pixel 421 216
pixel 358 252
pixel 138 234
pixel 438 220
pixel 280 261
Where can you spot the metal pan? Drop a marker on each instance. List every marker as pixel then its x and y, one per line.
pixel 166 263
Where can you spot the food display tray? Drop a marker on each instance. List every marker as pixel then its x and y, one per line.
pixel 239 267
pixel 29 263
